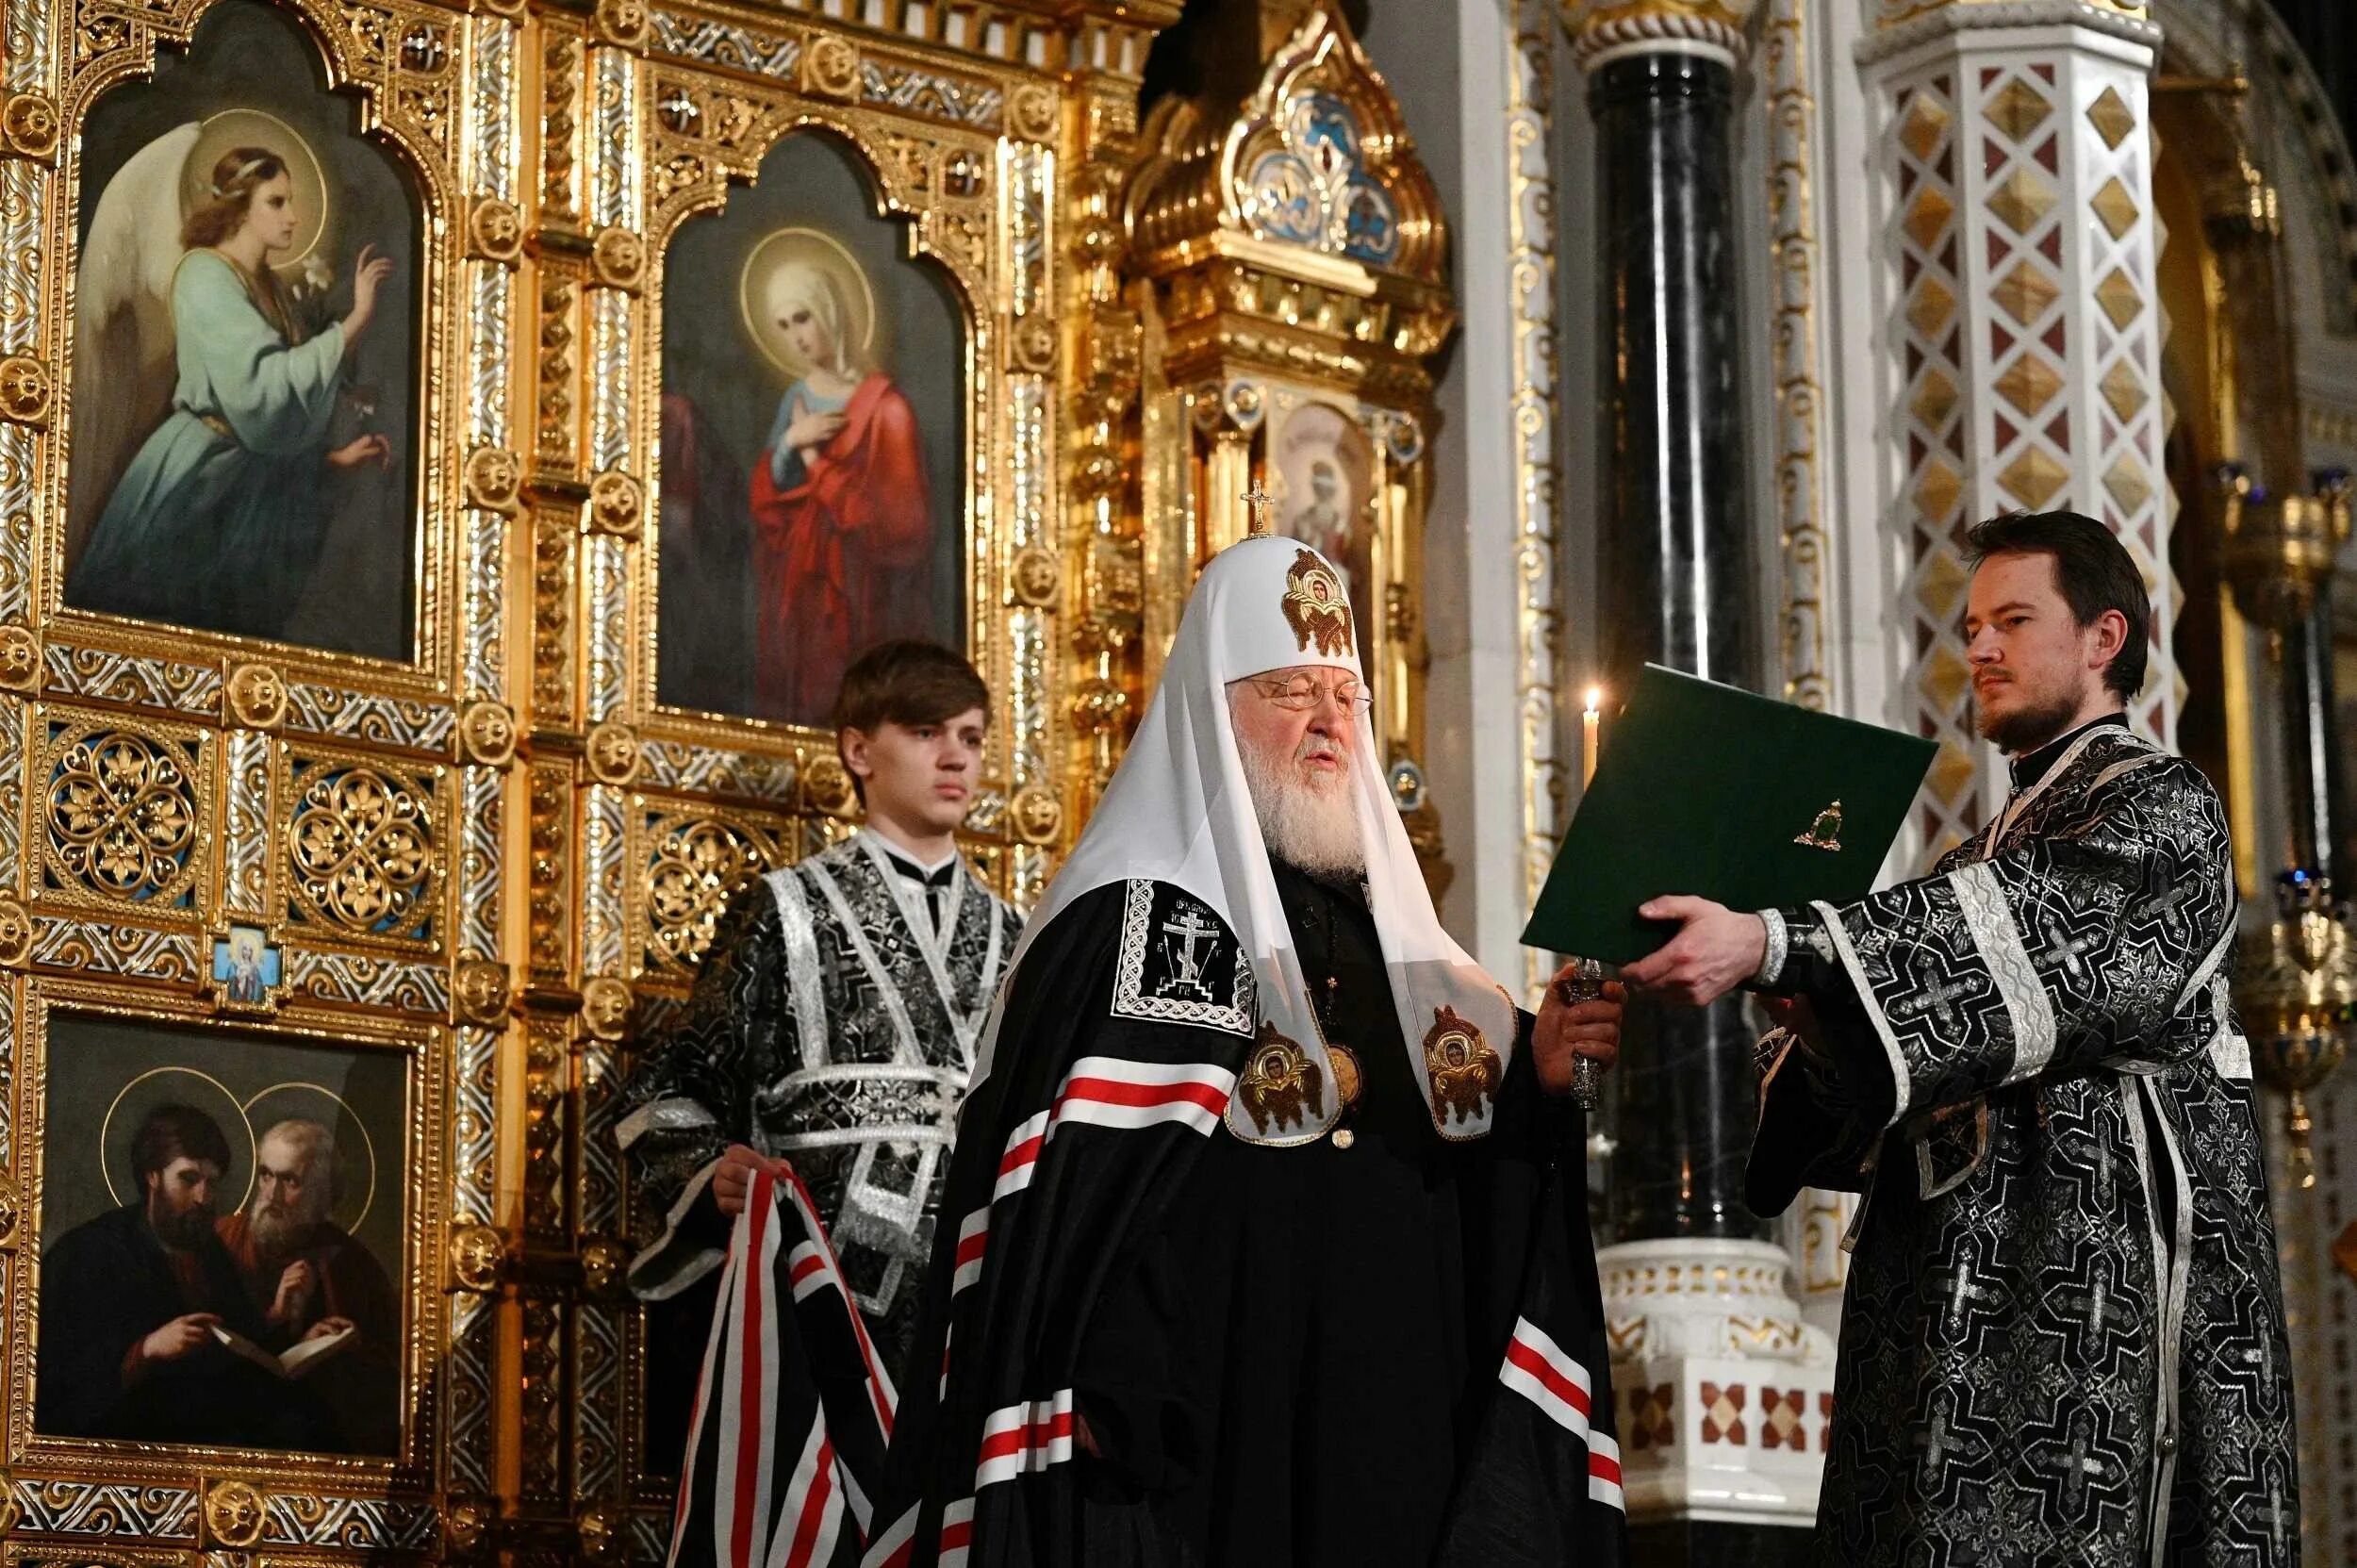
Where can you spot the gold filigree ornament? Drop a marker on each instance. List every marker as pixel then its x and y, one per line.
pixel 29 127
pixel 20 659
pixel 8 1512
pixel 830 67
pixel 465 1523
pixel 696 865
pixel 11 1212
pixel 1037 813
pixel 235 1512
pixel 479 993
pixel 257 696
pixel 1315 605
pixel 1035 345
pixel 496 230
pixel 478 1255
pixel 494 479
pixel 613 753
pixel 1824 831
pixel 486 735
pixel 620 258
pixel 606 1006
pixel 122 815
pixel 25 390
pixel 1035 577
pixel 361 845
pixel 1281 1087
pixel 618 504
pixel 604 1264
pixel 599 1532
pixel 1464 1068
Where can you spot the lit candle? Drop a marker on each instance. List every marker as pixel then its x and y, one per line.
pixel 1588 735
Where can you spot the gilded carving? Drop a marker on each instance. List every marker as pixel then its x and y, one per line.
pixel 613 753
pixel 1031 112
pixel 616 504
pixel 11 1212
pixel 257 696
pixel 25 390
pixel 618 256
pixel 29 126
pixel 360 851
pixel 606 1004
pixel 478 1255
pixel 1035 345
pixel 123 812
pixel 479 993
pixel 830 67
pixel 234 1513
pixel 551 801
pixel 623 23
pixel 600 1533
pixel 486 735
pixel 1036 579
pixel 20 659
pixel 16 932
pixel 465 1523
pixel 560 123
pixel 696 863
pixel 827 786
pixel 494 477
pixel 495 230
pixel 1038 813
pixel 557 402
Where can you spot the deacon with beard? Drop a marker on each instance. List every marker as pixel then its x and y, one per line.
pixel 307 1275
pixel 2063 1339
pixel 129 1302
pixel 1265 1240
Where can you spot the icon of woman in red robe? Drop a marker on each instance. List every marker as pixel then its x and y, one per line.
pixel 843 520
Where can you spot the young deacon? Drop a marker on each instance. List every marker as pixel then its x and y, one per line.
pixel 1264 1239
pixel 835 1018
pixel 2064 1335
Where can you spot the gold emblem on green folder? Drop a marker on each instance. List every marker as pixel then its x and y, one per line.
pixel 1826 832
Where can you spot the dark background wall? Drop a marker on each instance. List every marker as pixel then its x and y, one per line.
pixel 2328 30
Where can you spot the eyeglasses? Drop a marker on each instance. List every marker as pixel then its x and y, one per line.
pixel 1301 693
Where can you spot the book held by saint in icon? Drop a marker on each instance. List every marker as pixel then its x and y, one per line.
pixel 293 1361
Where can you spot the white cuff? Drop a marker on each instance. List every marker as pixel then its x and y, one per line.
pixel 1779 945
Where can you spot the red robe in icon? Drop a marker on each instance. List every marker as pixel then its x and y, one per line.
pixel 844 548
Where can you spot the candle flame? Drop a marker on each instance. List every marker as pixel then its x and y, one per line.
pixel 1595 698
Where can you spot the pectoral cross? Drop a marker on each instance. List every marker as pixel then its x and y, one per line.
pixel 1259 501
pixel 1937 997
pixel 2066 954
pixel 1190 929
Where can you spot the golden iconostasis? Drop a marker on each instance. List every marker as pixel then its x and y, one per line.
pixel 447 457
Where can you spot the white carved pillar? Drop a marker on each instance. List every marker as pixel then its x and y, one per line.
pixel 2021 363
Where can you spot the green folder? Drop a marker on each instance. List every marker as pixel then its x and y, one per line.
pixel 1711 790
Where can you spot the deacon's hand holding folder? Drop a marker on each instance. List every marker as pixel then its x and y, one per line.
pixel 1712 803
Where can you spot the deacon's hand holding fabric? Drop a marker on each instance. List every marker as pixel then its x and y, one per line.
pixel 1716 951
pixel 734 1177
pixel 1567 1031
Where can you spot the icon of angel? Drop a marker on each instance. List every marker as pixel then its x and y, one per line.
pixel 842 514
pixel 212 408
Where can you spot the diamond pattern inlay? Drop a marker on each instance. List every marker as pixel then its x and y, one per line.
pixel 1953 771
pixel 2130 486
pixel 1926 122
pixel 2032 478
pixel 1939 491
pixel 2019 108
pixel 2115 206
pixel 1933 307
pixel 2029 384
pixel 2117 295
pixel 2111 117
pixel 2026 293
pixel 1935 398
pixel 2123 388
pixel 2022 199
pixel 1928 219
pixel 1941 587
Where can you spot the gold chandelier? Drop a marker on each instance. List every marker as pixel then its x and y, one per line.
pixel 2297 992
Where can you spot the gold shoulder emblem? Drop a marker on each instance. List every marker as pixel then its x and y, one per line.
pixel 1464 1067
pixel 1280 1085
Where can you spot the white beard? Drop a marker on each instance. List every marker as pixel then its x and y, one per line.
pixel 1309 821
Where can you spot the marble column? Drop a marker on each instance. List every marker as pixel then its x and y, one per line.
pixel 1717 1413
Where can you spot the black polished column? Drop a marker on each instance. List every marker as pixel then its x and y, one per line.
pixel 1676 580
